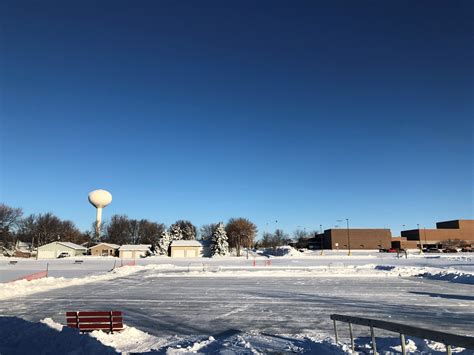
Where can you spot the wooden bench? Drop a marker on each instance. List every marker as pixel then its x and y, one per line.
pixel 13 262
pixel 107 321
pixel 78 261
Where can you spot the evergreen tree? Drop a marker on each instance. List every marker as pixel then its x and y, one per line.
pixel 188 230
pixel 164 243
pixel 219 243
pixel 175 232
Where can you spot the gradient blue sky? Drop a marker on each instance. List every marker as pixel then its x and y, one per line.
pixel 304 112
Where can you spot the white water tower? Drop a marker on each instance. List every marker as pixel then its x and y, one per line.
pixel 99 199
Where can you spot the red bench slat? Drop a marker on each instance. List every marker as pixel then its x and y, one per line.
pixel 94 314
pixel 94 320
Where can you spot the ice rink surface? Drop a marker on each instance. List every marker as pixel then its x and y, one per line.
pixel 293 296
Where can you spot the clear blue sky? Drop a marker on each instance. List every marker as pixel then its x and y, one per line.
pixel 304 112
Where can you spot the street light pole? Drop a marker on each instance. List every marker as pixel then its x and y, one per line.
pixel 348 238
pixel 419 238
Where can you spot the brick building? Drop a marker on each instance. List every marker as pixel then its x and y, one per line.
pixel 457 232
pixel 355 238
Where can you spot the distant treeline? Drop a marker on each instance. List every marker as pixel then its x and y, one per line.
pixel 40 229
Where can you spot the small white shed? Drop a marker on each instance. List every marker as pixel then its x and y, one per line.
pixel 130 251
pixel 186 249
pixel 54 249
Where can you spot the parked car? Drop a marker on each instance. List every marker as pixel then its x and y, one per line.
pixel 383 250
pixel 432 250
pixel 64 254
pixel 466 249
pixel 450 250
pixel 392 250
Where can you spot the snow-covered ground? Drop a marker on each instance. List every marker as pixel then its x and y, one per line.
pixel 229 305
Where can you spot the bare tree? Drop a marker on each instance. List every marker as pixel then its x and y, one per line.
pixel 10 219
pixel 150 232
pixel 46 228
pixel 241 233
pixel 274 240
pixel 207 231
pixel 118 230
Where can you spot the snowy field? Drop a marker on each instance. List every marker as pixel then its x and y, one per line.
pixel 228 305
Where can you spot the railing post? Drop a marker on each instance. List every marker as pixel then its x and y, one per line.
pixel 335 331
pixel 402 341
pixel 374 346
pixel 352 337
pixel 448 349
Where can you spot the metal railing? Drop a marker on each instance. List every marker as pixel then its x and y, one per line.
pixel 447 339
pixel 197 265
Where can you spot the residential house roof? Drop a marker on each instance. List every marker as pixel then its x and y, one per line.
pixel 135 247
pixel 186 243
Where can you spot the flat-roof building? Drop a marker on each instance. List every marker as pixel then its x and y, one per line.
pixel 355 238
pixel 460 232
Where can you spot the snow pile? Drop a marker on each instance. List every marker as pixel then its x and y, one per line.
pixel 288 252
pixel 130 340
pixel 448 274
pixel 282 251
pixel 49 337
pixel 24 287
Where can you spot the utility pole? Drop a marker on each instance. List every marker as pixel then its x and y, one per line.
pixel 419 238
pixel 348 238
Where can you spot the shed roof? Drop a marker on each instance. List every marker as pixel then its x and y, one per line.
pixel 110 245
pixel 186 243
pixel 67 245
pixel 72 245
pixel 135 247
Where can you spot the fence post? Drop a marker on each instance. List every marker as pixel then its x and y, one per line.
pixel 402 341
pixel 47 268
pixel 374 346
pixel 352 337
pixel 335 331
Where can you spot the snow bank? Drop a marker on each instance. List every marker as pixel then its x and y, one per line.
pixel 24 287
pixel 130 340
pixel 282 251
pixel 19 336
pixel 448 274
pixel 48 337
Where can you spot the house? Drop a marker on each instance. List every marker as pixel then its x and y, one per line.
pixel 54 249
pixel 134 251
pixel 186 249
pixel 105 249
pixel 23 246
